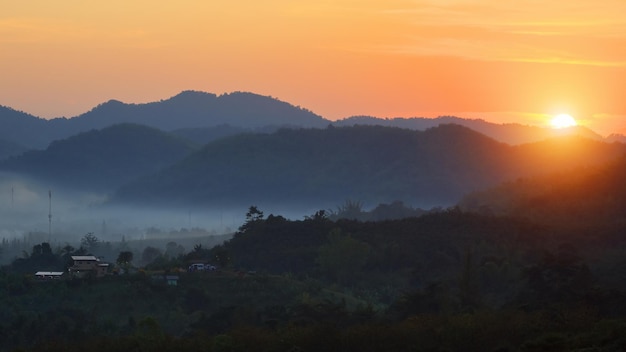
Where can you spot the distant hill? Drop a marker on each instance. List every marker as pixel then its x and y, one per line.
pixel 8 149
pixel 189 109
pixel 204 135
pixel 372 164
pixel 24 129
pixel 101 159
pixel 584 196
pixel 507 133
pixel 214 116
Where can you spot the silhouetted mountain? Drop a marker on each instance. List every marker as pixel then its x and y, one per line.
pixel 246 111
pixel 186 110
pixel 371 164
pixel 191 109
pixel 101 159
pixel 592 196
pixel 8 149
pixel 615 137
pixel 205 135
pixel 506 133
pixel 24 129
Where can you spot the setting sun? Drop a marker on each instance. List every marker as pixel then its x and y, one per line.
pixel 563 121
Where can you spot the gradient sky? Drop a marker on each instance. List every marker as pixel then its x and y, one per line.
pixel 503 61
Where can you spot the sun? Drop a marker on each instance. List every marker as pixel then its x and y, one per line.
pixel 563 121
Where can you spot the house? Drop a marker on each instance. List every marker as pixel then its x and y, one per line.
pixel 172 280
pixel 88 265
pixel 48 275
pixel 201 267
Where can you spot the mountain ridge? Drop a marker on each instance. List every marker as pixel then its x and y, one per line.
pixel 239 110
pixel 373 164
pixel 99 160
pixel 188 109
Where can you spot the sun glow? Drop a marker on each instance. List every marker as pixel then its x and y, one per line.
pixel 563 121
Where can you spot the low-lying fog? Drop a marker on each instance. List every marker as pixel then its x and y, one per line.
pixel 25 207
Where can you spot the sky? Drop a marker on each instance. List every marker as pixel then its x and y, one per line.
pixel 503 61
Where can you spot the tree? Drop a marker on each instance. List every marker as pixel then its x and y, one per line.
pixel 36 251
pixel 67 249
pixel 150 254
pixel 173 250
pixel 90 242
pixel 343 256
pixel 253 216
pixel 221 255
pixel 319 215
pixel 124 259
pixel 352 210
pixel 46 249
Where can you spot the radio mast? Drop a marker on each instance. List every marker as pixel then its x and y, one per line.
pixel 49 215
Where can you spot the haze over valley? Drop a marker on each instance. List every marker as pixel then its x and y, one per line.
pixel 198 160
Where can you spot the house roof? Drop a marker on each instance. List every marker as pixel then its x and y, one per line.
pixel 84 257
pixel 49 273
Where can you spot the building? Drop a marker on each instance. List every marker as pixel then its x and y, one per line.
pixel 172 280
pixel 48 275
pixel 88 265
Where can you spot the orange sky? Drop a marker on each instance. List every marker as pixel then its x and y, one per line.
pixel 504 61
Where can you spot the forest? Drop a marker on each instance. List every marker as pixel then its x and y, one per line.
pixel 532 264
pixel 444 280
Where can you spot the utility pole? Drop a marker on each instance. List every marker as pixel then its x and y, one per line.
pixel 49 215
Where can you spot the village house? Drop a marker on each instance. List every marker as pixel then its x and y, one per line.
pixel 170 280
pixel 87 265
pixel 48 275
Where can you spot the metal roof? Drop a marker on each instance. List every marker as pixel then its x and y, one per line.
pixel 49 273
pixel 84 257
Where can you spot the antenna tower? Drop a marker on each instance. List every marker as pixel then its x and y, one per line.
pixel 49 215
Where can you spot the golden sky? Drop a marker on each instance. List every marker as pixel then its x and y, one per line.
pixel 501 60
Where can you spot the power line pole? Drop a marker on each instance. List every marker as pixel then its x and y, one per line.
pixel 49 215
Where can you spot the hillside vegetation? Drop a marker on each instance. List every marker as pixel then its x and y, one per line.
pixel 572 198
pixel 443 281
pixel 522 277
pixel 101 159
pixel 241 110
pixel 8 149
pixel 371 164
pixel 188 109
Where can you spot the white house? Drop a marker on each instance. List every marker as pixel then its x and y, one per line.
pixel 48 275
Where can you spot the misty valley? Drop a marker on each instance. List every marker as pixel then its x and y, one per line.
pixel 240 222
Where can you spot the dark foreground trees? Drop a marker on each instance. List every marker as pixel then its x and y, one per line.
pixel 446 281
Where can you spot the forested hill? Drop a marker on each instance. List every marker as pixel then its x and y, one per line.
pixel 8 149
pixel 581 197
pixel 372 164
pixel 24 129
pixel 201 114
pixel 510 133
pixel 189 109
pixel 101 159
